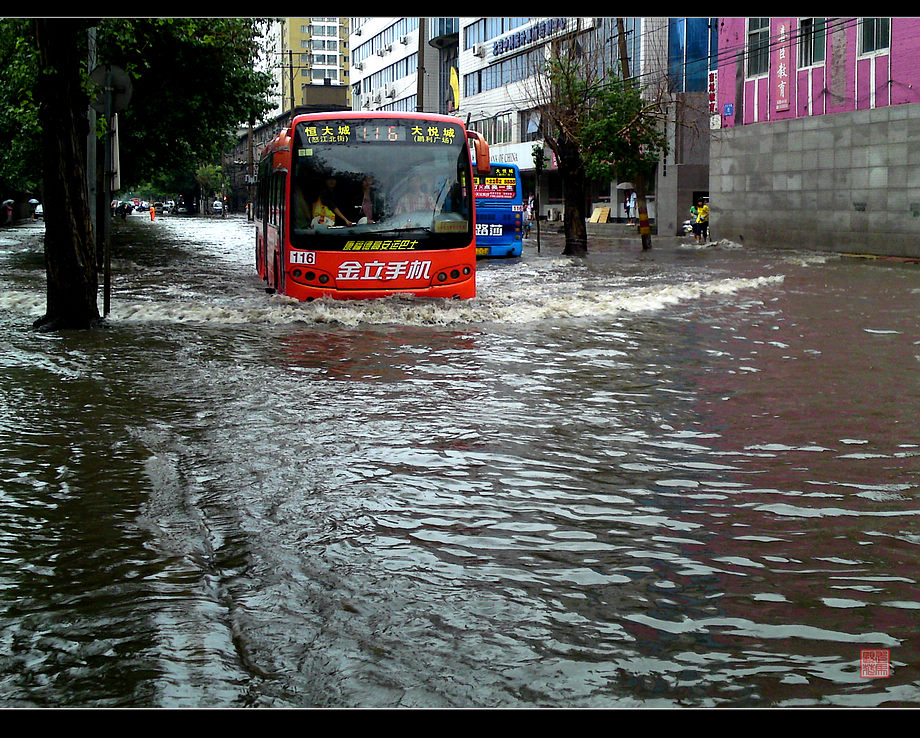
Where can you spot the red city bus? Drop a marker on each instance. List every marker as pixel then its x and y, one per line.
pixel 358 204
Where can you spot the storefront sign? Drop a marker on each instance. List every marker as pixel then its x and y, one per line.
pixel 534 34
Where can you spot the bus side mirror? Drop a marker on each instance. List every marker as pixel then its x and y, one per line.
pixel 481 150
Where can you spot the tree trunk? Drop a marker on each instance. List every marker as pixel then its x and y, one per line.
pixel 70 262
pixel 572 172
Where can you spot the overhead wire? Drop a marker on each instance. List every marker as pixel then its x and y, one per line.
pixel 712 60
pixel 722 54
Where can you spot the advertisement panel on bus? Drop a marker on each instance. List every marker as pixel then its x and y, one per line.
pixel 354 205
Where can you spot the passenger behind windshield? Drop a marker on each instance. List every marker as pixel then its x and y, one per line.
pixel 325 208
pixel 370 209
pixel 416 197
pixel 319 209
pixel 342 198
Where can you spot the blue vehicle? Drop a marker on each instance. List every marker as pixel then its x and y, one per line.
pixel 499 211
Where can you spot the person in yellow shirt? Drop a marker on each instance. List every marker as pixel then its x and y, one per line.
pixel 321 210
pixel 699 213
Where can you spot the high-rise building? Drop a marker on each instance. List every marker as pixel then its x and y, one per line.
pixel 309 59
pixel 404 64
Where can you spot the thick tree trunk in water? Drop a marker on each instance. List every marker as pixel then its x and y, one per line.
pixel 573 175
pixel 70 262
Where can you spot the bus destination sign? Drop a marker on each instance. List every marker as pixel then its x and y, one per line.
pixel 350 132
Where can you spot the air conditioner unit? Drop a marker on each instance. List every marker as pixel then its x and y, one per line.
pixel 479 50
pixel 381 52
pixel 359 65
pixel 378 97
pixel 404 40
pixel 390 90
pixel 389 47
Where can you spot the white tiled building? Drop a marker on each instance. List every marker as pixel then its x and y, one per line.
pixel 480 69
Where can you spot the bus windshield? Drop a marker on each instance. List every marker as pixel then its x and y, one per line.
pixel 380 178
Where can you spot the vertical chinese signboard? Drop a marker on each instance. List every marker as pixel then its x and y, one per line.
pixel 782 66
pixel 713 90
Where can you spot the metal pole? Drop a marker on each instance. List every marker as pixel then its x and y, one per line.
pixel 420 74
pixel 250 206
pixel 645 230
pixel 291 75
pixel 107 188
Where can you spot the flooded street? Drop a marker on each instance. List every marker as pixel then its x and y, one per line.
pixel 689 478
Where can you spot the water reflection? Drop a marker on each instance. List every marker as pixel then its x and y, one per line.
pixel 332 354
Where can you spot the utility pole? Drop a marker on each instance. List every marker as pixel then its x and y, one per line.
pixel 420 74
pixel 291 75
pixel 114 92
pixel 250 185
pixel 645 230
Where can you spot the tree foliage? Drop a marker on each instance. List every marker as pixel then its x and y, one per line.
pixel 598 122
pixel 211 180
pixel 19 129
pixel 562 92
pixel 621 133
pixel 194 83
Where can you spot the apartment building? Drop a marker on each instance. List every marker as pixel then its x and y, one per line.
pixel 404 64
pixel 310 62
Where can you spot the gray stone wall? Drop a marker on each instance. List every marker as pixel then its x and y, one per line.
pixel 848 182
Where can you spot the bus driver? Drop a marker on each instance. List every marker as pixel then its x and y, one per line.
pixel 415 198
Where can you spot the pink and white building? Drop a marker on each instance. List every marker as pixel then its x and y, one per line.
pixel 816 134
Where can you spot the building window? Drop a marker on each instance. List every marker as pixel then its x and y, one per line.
pixel 530 126
pixel 485 29
pixel 812 41
pixel 874 35
pixel 692 52
pixel 758 46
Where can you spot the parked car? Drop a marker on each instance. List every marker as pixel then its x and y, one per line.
pixel 217 207
pixel 39 212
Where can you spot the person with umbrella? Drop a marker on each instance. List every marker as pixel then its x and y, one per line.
pixel 8 210
pixel 629 200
